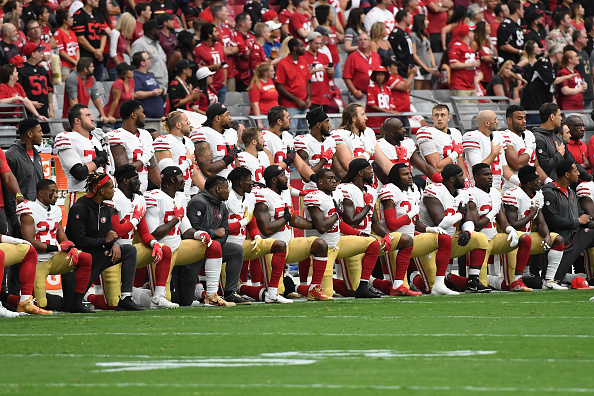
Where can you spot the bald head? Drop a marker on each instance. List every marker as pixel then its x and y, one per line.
pixel 487 121
pixel 392 130
pixel 8 30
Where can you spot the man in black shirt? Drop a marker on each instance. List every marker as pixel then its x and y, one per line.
pixel 88 26
pixel 535 28
pixel 7 49
pixel 510 38
pixel 401 42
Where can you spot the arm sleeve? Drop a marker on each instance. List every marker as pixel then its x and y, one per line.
pixel 473 156
pixel 393 222
pixel 144 233
pixel 347 229
pixel 113 43
pixel 234 226
pixel 252 228
pixel 450 220
pixel 77 219
pixel 122 227
pixel 70 161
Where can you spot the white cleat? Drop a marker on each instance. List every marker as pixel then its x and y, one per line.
pixel 5 313
pixel 276 299
pixel 552 285
pixel 592 299
pixel 163 303
pixel 411 284
pixel 442 290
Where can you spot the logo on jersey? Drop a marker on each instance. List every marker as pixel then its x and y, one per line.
pixel 103 220
pixel 198 213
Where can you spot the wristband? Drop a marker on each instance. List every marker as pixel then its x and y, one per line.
pixel 18 195
pixel 153 242
pixel 135 222
pixel 228 159
pixel 454 156
pixel 366 155
pixel 51 248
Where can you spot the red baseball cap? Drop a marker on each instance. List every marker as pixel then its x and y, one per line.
pixel 269 15
pixel 30 47
pixel 580 283
pixel 463 30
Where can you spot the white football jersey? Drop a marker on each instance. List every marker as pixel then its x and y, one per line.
pixel 477 147
pixel 432 140
pixel 448 202
pixel 135 149
pixel 525 143
pixel 352 192
pixel 404 201
pixel 218 145
pixel 178 147
pixel 325 203
pixel 398 154
pixel 485 202
pixel 314 149
pixel 46 221
pixel 585 189
pixel 159 210
pixel 237 206
pixel 276 207
pixel 357 144
pixel 515 196
pixel 125 209
pixel 278 145
pixel 257 165
pixel 84 148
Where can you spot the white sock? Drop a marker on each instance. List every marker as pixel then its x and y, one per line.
pixel 370 283
pixel 212 269
pixel 24 297
pixel 257 284
pixel 272 291
pixel 516 277
pixel 439 281
pixel 386 276
pixel 554 259
pixel 159 290
pixel 303 283
pixel 495 281
pixel 125 294
pixel 397 283
pixel 474 271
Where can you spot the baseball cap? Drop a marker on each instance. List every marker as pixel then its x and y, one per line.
pixel 531 17
pixel 30 47
pixel 312 36
pixel 269 16
pixel 273 25
pixel 203 72
pixel 163 17
pixel 170 172
pixel 150 25
pixel 215 109
pixel 272 171
pixel 379 69
pixel 463 30
pixel 323 30
pixel 580 283
pixel 123 67
pixel 181 65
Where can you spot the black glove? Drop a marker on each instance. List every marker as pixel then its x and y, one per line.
pixel 337 208
pixel 101 158
pixel 463 209
pixel 260 185
pixel 232 152
pixel 287 215
pixel 463 238
pixel 291 154
pixel 313 178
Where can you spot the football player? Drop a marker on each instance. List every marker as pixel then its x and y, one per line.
pixel 128 207
pixel 41 226
pixel 359 212
pixel 167 221
pixel 80 152
pixel 275 219
pixel 523 209
pixel 255 157
pixel 487 145
pixel 484 207
pixel 132 145
pixel 400 200
pixel 175 149
pixel 442 207
pixel 241 204
pixel 440 145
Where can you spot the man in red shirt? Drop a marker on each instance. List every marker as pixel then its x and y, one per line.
pixel 464 64
pixel 220 14
pixel 245 41
pixel 357 69
pixel 257 54
pixel 578 149
pixel 292 82
pixel 212 54
pixel 301 23
pixel 321 73
pixel 144 12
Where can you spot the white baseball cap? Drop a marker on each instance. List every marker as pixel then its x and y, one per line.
pixel 273 25
pixel 203 72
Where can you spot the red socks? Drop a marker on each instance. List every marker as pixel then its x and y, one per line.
pixel 140 277
pixel 27 272
pixel 98 301
pixel 459 281
pixel 278 266
pixel 304 270
pixel 340 287
pixel 420 284
pixel 382 285
pixel 442 258
pixel 319 267
pixel 402 261
pixel 523 253
pixel 370 258
pixel 255 292
pixel 477 258
pixel 83 272
pixel 256 271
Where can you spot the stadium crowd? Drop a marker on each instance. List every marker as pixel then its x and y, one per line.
pixel 206 212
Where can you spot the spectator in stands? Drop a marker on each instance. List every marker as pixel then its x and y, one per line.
pixel 489 13
pixel 475 14
pixel 301 24
pixel 121 90
pixel 486 50
pixel 321 72
pixel 510 38
pixel 400 40
pixel 272 45
pixel 227 39
pixel 502 12
pixel 68 47
pixel 255 9
pixel 506 83
pixel 580 41
pixel 167 39
pixel 463 64
pixel 263 93
pixel 379 43
pixel 531 54
pixel 327 20
pixel 438 16
pixel 192 9
pixel 149 43
pixel 45 27
pixel 12 92
pixel 399 87
pixel 357 70
pixel 589 27
pixel 379 13
pixel 293 83
pixel 422 53
pixel 559 35
pixel 208 93
pixel 36 82
pixel 379 98
pixel 143 14
pixel 257 55
pixel 456 20
pixel 444 72
pixel 535 29
pixel 119 37
pixel 245 41
pixel 182 94
pixel 92 38
pixel 8 49
pixel 169 7
pixel 186 42
pixel 576 146
pixel 576 14
pixel 20 36
pixel 146 88
pixel 287 9
pixel 570 93
pixel 33 30
pixel 80 87
pixel 353 29
pixel 212 54
pixel 207 14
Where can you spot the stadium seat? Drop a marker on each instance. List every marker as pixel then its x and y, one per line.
pixel 238 110
pixel 234 99
pixel 344 91
pixel 442 95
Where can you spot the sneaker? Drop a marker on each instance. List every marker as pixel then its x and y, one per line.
pixel 519 286
pixel 411 278
pixel 162 302
pixel 276 299
pixel 474 285
pixel 293 296
pixel 552 285
pixel 442 290
pixel 237 299
pixel 403 291
pixel 127 304
pixel 199 292
pixel 214 300
pixel 363 291
pixel 5 313
pixel 28 307
pixel 316 294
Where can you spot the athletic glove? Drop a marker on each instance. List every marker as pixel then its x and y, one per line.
pixel 232 152
pixel 73 256
pixel 303 193
pixel 413 211
pixel 203 237
pixel 287 215
pixel 513 237
pixel 178 213
pixel 137 215
pixel 65 246
pixel 436 230
pixel 257 244
pixel 327 154
pixel 157 252
pixel 291 154
pixel 386 243
pixel 337 208
pixel 464 238
pixel 368 199
pixel 101 158
pixel 462 209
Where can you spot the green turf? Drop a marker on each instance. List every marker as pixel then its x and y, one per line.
pixel 541 342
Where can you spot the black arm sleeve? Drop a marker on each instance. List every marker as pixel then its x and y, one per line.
pixel 79 172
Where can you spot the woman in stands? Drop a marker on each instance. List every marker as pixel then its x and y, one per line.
pixel 487 51
pixel 506 83
pixel 121 91
pixel 186 41
pixel 12 92
pixel 209 94
pixel 68 47
pixel 421 46
pixel 570 93
pixel 458 18
pixel 353 29
pixel 378 42
pixel 263 93
pixel 576 13
pixel 118 43
pixel 182 95
pixel 529 57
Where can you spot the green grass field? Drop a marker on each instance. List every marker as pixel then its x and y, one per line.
pixel 503 343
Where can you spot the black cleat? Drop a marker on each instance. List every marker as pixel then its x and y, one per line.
pixel 81 308
pixel 128 305
pixel 474 285
pixel 364 292
pixel 237 299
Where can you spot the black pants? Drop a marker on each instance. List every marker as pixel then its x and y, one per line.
pixel 583 239
pixel 101 261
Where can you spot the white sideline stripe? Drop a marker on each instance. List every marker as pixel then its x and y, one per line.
pixel 298 386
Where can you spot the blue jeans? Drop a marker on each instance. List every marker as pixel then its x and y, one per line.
pixel 297 123
pixel 113 74
pixel 99 66
pixel 337 71
pixel 222 94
